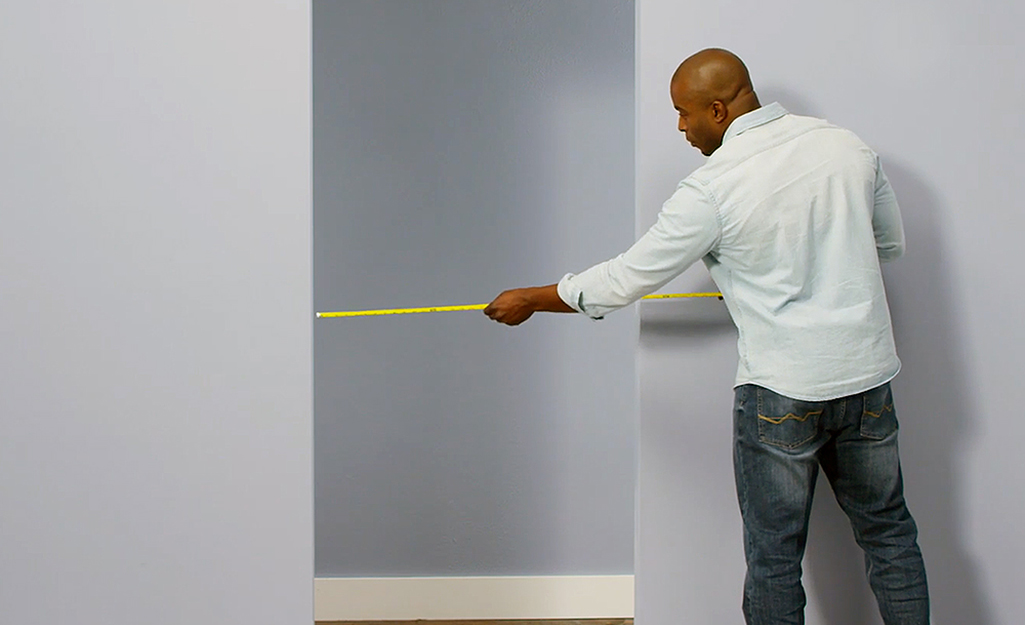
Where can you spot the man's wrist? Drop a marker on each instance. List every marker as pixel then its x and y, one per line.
pixel 536 297
pixel 546 299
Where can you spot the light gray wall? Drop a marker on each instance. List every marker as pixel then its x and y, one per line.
pixel 462 148
pixel 930 85
pixel 155 313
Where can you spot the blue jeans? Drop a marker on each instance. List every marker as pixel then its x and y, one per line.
pixel 779 445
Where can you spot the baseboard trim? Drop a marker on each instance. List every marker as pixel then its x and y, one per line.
pixel 473 598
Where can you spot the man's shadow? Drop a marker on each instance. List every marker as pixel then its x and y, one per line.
pixel 934 405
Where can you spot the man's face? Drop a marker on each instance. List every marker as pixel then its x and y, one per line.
pixel 696 119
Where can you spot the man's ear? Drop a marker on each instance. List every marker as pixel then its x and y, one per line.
pixel 719 113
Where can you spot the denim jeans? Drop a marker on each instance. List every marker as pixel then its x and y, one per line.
pixel 779 445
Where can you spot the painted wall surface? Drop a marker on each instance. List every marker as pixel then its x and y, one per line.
pixel 462 148
pixel 155 313
pixel 930 85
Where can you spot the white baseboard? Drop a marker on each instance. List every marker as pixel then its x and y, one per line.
pixel 467 598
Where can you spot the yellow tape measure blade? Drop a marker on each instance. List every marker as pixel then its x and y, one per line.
pixel 433 309
pixel 679 295
pixel 400 311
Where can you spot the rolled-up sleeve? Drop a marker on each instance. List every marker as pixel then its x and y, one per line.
pixel 886 221
pixel 687 229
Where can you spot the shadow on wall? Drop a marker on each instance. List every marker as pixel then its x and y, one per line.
pixel 934 399
pixel 934 402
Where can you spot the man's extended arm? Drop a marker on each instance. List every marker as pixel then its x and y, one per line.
pixel 515 306
pixel 686 229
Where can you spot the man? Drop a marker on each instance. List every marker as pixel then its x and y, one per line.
pixel 792 216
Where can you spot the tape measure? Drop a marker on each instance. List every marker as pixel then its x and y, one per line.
pixel 433 309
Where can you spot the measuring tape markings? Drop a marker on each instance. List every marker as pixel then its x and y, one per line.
pixel 431 309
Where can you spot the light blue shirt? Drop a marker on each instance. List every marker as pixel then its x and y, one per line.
pixel 792 216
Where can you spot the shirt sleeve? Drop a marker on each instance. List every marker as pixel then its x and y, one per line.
pixel 687 229
pixel 886 221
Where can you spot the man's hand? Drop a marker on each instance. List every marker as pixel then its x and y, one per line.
pixel 512 307
pixel 515 306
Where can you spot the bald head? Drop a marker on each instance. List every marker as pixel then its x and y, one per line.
pixel 710 89
pixel 714 74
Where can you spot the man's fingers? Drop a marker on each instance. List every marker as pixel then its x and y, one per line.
pixel 489 310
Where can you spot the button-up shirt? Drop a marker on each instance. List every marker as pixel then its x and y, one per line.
pixel 792 216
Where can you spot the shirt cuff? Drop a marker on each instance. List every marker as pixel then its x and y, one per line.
pixel 572 295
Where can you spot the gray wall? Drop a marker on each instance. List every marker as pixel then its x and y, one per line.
pixel 155 313
pixel 931 86
pixel 462 148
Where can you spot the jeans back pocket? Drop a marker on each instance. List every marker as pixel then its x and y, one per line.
pixel 785 422
pixel 878 418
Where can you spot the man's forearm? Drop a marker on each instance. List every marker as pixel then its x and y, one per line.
pixel 546 299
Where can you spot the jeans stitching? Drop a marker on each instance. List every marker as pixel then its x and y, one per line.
pixel 790 415
pixel 877 415
pixel 869 402
pixel 762 438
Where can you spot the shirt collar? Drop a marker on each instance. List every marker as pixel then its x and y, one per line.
pixel 757 117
